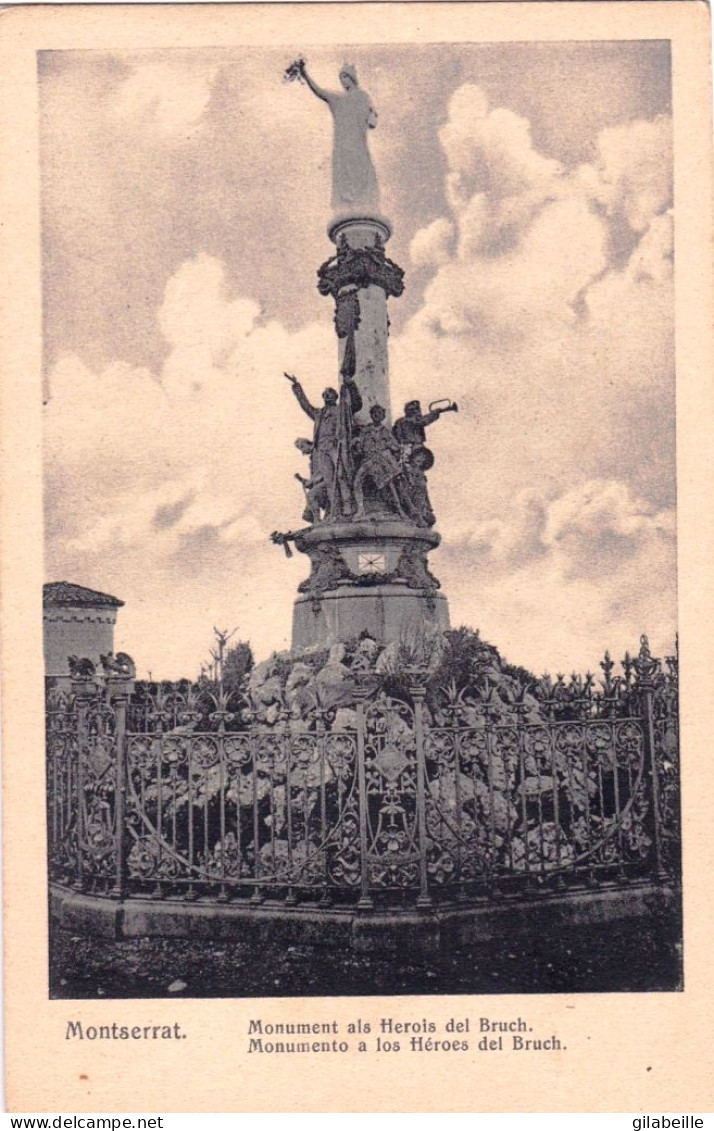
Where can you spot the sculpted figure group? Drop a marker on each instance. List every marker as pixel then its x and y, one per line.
pixel 357 471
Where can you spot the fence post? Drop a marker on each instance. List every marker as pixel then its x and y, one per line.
pixel 417 693
pixel 291 894
pixel 257 897
pixel 320 730
pixel 365 900
pixel 119 692
pixel 646 669
pixel 84 691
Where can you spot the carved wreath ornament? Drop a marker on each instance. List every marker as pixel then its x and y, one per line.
pixel 360 267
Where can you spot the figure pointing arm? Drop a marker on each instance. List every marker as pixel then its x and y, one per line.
pixel 301 397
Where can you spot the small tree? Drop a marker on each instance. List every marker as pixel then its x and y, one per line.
pixel 237 664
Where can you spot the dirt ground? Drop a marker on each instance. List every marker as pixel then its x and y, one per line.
pixel 608 959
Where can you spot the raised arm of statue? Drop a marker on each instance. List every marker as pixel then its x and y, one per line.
pixel 325 95
pixel 303 401
pixel 431 417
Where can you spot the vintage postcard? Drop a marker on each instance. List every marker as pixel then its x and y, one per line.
pixel 357 542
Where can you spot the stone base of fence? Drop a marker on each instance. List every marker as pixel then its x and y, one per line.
pixel 416 933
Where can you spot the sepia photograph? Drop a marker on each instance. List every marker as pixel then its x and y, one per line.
pixel 355 582
pixel 378 341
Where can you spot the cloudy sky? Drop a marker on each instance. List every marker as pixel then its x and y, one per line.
pixel 185 200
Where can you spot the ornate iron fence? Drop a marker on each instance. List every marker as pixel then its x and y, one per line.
pixel 439 795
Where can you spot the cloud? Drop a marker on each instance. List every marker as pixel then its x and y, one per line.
pixel 201 324
pixel 589 532
pixel 431 246
pixel 166 97
pixel 531 234
pixel 556 581
pixel 634 168
pixel 496 181
pixel 599 528
pixel 504 543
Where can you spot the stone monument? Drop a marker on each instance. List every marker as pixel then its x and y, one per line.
pixel 366 498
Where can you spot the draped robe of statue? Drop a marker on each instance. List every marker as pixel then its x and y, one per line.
pixel 354 181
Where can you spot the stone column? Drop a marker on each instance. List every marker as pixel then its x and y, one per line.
pixel 360 278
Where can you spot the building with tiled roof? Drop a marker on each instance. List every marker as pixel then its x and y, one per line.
pixel 78 596
pixel 77 621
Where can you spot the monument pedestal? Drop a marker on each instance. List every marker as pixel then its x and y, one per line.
pixel 386 612
pixel 367 576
